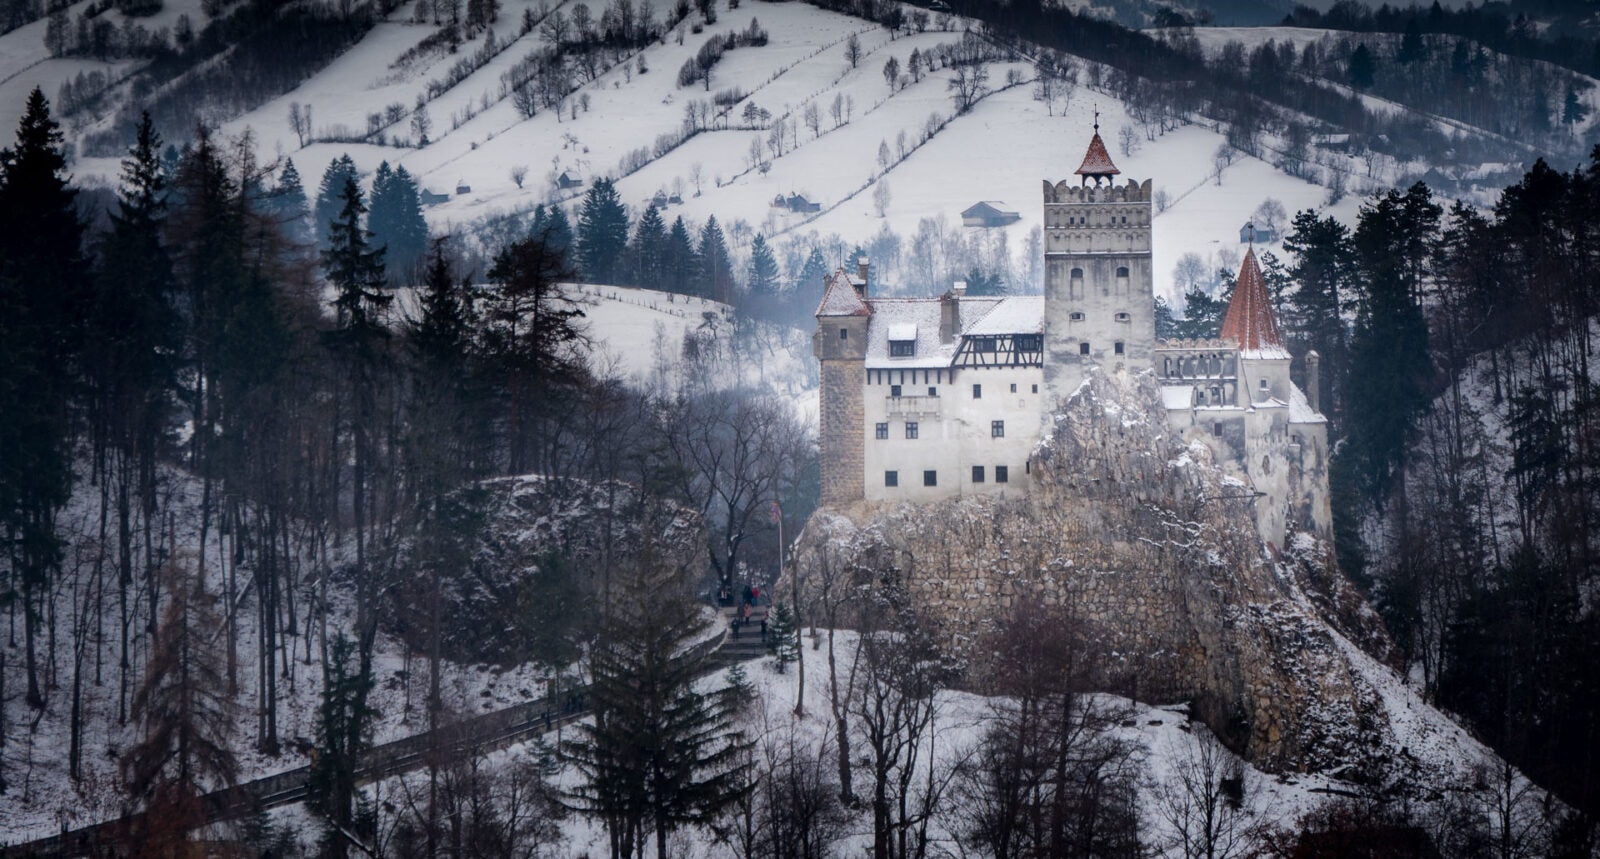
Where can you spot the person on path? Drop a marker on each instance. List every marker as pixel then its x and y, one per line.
pixel 763 630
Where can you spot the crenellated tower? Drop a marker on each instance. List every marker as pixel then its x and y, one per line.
pixel 1099 284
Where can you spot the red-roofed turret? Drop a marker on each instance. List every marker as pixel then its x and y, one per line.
pixel 1097 161
pixel 1250 322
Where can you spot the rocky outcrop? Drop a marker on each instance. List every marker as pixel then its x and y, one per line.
pixel 522 560
pixel 1154 553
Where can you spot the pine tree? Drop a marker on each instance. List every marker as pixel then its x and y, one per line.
pixel 533 337
pixel 44 282
pixel 330 196
pixel 1394 241
pixel 681 263
pixel 1362 67
pixel 783 637
pixel 648 251
pixel 659 753
pixel 812 274
pixel 1322 270
pixel 716 269
pixel 396 221
pixel 763 275
pixel 288 205
pixel 554 231
pixel 602 233
pixel 344 733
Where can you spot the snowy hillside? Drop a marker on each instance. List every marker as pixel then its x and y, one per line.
pixel 999 151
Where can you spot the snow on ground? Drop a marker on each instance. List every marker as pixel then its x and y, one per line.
pixel 1163 737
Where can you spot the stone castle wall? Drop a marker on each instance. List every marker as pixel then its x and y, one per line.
pixel 842 431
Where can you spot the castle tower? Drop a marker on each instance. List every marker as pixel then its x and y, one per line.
pixel 1099 293
pixel 840 345
pixel 1250 323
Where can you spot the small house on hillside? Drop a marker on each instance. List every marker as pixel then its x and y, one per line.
pixel 462 187
pixel 989 213
pixel 796 203
pixel 430 198
pixel 568 180
pixel 1251 233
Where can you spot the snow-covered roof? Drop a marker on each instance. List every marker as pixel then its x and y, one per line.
pixel 893 316
pixel 996 206
pixel 1016 314
pixel 1250 322
pixel 840 298
pixel 919 320
pixel 1300 411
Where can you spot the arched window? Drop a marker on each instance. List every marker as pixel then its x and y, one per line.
pixel 1122 280
pixel 1075 284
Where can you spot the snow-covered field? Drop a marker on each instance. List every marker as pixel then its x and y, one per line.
pixel 999 151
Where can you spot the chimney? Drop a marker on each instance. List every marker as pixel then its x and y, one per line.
pixel 861 272
pixel 1313 381
pixel 950 313
pixel 959 288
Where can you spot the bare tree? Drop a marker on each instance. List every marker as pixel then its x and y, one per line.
pixel 891 74
pixel 880 196
pixel 185 709
pixel 852 50
pixel 968 84
pixel 812 116
pixel 836 110
pixel 300 121
pixel 1128 139
pixel 1205 802
pixel 519 173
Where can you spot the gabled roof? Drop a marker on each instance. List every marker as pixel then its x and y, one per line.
pixel 1250 322
pixel 1097 161
pixel 995 206
pixel 840 298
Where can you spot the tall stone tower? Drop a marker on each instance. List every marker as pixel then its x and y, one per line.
pixel 840 345
pixel 1099 295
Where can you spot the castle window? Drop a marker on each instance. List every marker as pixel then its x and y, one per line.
pixel 930 478
pixel 1117 347
pixel 844 334
pixel 1002 474
pixel 891 478
pixel 881 430
pixel 1266 464
pixel 1122 271
pixel 894 390
pixel 997 429
pixel 1028 343
pixel 1263 386
pixel 1013 387
pixel 1124 316
pixel 902 348
pixel 911 429
pixel 1122 280
pixel 1075 283
pixel 933 392
pixel 977 474
pixel 1036 389
pixel 1083 348
pixel 985 344
pixel 1216 428
pixel 977 392
pixel 1076 316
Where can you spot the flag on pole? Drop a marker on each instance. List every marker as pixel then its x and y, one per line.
pixel 775 513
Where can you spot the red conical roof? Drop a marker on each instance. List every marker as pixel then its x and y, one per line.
pixel 1097 161
pixel 1250 322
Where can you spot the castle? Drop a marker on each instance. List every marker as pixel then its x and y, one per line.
pixel 931 398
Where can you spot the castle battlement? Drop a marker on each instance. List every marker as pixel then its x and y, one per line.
pixel 1062 192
